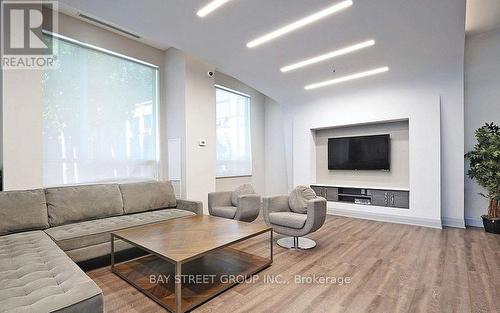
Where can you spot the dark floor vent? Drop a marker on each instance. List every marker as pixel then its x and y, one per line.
pixel 92 19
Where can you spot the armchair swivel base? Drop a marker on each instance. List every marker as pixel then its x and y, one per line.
pixel 296 243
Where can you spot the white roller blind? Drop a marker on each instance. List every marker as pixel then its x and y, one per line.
pixel 234 151
pixel 99 118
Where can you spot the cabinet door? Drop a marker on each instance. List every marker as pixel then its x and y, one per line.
pixel 332 194
pixel 380 197
pixel 400 199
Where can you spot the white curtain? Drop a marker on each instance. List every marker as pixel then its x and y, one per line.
pixel 99 118
pixel 234 152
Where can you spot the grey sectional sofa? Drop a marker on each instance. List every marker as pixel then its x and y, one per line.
pixel 44 232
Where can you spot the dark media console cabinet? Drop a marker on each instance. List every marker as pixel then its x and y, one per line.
pixel 364 196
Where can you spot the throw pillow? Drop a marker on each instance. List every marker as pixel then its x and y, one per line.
pixel 242 190
pixel 299 197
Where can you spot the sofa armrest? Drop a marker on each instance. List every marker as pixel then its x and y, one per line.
pixel 192 206
pixel 248 208
pixel 316 214
pixel 218 199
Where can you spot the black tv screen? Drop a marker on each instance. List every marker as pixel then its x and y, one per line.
pixel 359 153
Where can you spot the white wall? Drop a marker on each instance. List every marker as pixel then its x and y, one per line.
pixel 276 169
pixel 22 129
pixel 398 176
pixel 423 113
pixel 482 94
pixel 200 124
pixel 189 115
pixel 174 113
pixel 257 125
pixel 21 134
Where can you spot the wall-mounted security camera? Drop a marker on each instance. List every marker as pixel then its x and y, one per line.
pixel 210 73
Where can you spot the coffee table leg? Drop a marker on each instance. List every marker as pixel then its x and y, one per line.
pixel 178 278
pixel 112 251
pixel 271 245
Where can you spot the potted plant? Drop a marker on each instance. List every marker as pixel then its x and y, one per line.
pixel 485 169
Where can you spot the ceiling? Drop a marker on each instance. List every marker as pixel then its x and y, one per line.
pixel 482 16
pixel 401 29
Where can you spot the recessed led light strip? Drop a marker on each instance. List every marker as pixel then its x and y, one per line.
pixel 210 7
pixel 328 56
pixel 347 78
pixel 300 23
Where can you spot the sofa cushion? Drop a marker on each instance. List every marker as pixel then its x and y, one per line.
pixel 22 210
pixel 78 203
pixel 242 190
pixel 88 233
pixel 224 211
pixel 147 196
pixel 299 197
pixel 288 219
pixel 37 276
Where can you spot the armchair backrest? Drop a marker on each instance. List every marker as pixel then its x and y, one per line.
pixel 245 189
pixel 277 203
pixel 273 204
pixel 219 199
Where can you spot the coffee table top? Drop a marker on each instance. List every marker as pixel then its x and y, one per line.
pixel 185 238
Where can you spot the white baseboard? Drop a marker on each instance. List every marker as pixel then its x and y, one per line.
pixel 453 222
pixel 474 221
pixel 386 218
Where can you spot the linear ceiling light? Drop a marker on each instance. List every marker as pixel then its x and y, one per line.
pixel 300 23
pixel 347 78
pixel 210 7
pixel 328 56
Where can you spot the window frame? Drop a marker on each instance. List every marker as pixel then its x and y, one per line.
pixel 217 86
pixel 156 68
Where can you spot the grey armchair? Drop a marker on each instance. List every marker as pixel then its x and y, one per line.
pixel 222 204
pixel 278 215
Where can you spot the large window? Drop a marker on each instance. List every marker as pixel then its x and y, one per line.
pixel 234 152
pixel 99 117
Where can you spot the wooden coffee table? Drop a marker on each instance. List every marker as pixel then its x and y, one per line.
pixel 190 259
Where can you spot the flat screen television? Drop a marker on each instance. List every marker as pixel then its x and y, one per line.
pixel 359 153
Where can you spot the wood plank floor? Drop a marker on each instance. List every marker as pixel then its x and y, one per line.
pixel 392 268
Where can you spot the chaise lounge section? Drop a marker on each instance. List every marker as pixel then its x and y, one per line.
pixel 44 232
pixel 36 276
